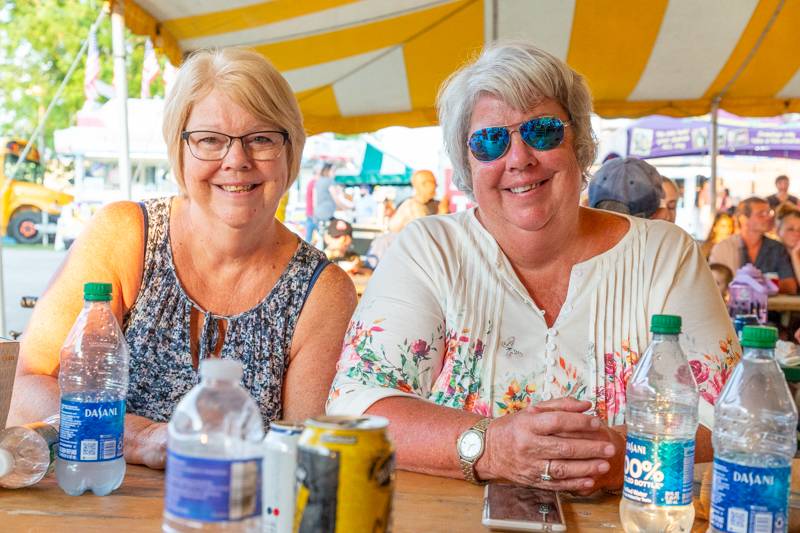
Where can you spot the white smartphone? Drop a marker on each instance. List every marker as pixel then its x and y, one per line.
pixel 516 508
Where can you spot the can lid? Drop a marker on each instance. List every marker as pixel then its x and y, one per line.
pixel 285 426
pixel 759 336
pixel 665 324
pixel 227 369
pixel 364 422
pixel 6 462
pixel 97 292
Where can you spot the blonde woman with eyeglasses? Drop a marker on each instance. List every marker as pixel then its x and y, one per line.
pixel 208 273
pixel 498 341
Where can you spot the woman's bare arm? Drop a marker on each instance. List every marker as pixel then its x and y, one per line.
pixel 317 344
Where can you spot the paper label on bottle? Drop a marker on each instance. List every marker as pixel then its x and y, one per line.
pixel 91 431
pixel 748 499
pixel 658 471
pixel 212 490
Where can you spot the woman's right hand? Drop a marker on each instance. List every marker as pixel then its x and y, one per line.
pixel 147 443
pixel 519 446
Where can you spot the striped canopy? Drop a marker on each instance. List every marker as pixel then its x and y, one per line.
pixel 359 65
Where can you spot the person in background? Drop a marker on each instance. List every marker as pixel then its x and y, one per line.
pixel 328 197
pixel 629 186
pixel 311 221
pixel 724 226
pixel 208 273
pixel 722 277
pixel 788 220
pixel 420 204
pixel 338 239
pixel 531 355
pixel 753 246
pixel 782 196
pixel 365 206
pixel 669 205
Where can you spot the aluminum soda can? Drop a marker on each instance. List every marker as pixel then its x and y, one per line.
pixel 345 475
pixel 280 461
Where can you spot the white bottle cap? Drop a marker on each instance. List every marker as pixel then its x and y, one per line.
pixel 6 462
pixel 227 369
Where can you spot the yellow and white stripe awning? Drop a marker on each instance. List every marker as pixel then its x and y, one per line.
pixel 359 65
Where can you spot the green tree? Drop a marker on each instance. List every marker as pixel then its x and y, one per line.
pixel 38 41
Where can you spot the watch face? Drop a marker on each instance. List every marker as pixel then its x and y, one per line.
pixel 470 445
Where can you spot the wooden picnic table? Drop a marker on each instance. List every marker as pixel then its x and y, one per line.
pixel 421 504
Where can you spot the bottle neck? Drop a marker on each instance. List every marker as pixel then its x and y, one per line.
pixel 665 337
pixel 96 303
pixel 758 353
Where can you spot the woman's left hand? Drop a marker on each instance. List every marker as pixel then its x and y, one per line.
pixel 612 479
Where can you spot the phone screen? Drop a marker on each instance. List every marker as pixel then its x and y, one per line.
pixel 524 504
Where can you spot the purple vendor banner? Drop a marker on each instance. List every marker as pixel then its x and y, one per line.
pixel 660 136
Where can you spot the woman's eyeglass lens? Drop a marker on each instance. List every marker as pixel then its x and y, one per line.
pixel 213 146
pixel 541 133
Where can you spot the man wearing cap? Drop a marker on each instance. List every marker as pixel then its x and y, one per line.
pixel 338 238
pixel 753 246
pixel 629 186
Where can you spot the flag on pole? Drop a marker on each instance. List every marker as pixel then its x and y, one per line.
pixel 168 76
pixel 92 71
pixel 150 68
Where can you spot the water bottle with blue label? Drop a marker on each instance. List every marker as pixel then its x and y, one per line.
pixel 94 382
pixel 661 418
pixel 214 455
pixel 754 442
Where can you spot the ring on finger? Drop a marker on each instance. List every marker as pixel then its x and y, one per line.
pixel 545 476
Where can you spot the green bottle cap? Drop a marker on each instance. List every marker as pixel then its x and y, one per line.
pixel 97 292
pixel 665 324
pixel 759 336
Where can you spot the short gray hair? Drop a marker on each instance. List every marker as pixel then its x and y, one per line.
pixel 520 75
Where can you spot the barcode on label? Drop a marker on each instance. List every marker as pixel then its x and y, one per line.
pixel 737 520
pixel 244 489
pixel 762 523
pixel 88 450
pixel 109 449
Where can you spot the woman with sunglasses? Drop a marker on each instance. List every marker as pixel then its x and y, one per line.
pixel 208 273
pixel 498 341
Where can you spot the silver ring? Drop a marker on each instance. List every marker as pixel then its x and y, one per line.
pixel 546 474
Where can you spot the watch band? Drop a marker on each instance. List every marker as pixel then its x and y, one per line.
pixel 468 466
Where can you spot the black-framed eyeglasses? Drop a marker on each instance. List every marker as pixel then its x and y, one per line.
pixel 214 146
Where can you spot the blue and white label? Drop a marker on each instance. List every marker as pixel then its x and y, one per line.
pixel 658 471
pixel 212 490
pixel 91 431
pixel 747 499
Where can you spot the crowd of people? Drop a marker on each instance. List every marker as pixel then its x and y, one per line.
pixel 518 321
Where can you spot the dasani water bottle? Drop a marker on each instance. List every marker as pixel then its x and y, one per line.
pixel 754 442
pixel 214 455
pixel 94 383
pixel 661 418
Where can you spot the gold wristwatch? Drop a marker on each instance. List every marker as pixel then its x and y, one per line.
pixel 470 446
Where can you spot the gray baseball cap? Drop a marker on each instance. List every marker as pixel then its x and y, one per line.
pixel 630 186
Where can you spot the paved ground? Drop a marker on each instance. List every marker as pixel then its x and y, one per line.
pixel 26 272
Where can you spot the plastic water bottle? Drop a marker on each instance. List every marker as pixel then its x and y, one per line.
pixel 27 453
pixel 94 383
pixel 754 442
pixel 214 455
pixel 661 416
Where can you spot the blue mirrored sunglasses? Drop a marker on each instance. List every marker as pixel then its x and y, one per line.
pixel 540 133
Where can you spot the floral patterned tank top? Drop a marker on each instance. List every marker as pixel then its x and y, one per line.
pixel 158 332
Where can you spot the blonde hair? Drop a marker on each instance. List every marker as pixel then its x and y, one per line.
pixel 250 81
pixel 520 75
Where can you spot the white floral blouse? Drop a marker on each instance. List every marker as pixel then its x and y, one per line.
pixel 445 318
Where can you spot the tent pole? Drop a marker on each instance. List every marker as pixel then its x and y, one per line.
pixel 712 187
pixel 121 89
